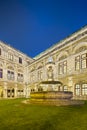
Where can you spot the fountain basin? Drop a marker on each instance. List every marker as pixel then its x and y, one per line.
pixel 52 95
pixel 56 98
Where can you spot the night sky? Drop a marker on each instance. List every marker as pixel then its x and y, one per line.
pixel 32 26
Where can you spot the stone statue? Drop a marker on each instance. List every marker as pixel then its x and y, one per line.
pixel 50 73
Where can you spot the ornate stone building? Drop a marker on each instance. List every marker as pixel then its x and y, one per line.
pixel 13 72
pixel 66 62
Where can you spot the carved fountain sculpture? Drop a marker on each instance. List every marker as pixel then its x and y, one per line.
pixel 49 96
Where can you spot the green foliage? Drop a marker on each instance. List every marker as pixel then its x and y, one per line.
pixel 14 115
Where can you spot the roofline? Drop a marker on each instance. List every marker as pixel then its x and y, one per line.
pixel 58 43
pixel 16 49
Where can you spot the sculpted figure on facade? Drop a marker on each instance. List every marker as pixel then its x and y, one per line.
pixel 50 73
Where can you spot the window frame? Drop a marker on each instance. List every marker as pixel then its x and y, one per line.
pixel 20 77
pixel 1 73
pixel 10 75
pixel 62 67
pixel 20 60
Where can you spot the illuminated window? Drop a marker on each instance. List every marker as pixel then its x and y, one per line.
pixel 77 89
pixel 84 61
pixel 63 67
pixel 60 68
pixel 20 77
pixel 81 62
pixel 10 75
pixel 84 89
pixel 65 88
pixel 39 75
pixel 10 56
pixel 77 63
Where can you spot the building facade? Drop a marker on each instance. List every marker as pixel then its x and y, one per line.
pixel 66 62
pixel 13 72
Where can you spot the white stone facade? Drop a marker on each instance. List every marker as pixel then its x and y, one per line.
pixel 13 78
pixel 66 60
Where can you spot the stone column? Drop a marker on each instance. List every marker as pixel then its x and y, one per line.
pixel 15 91
pixel 5 90
pixel 25 90
pixel 70 84
pixel 50 73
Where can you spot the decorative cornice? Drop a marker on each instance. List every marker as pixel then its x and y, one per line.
pixel 72 38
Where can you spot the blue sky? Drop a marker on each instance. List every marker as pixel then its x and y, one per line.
pixel 32 26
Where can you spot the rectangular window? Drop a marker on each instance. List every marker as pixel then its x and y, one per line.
pixel 77 90
pixel 20 77
pixel 20 60
pixel 39 75
pixel 10 75
pixel 0 51
pixel 84 89
pixel 10 56
pixel 81 62
pixel 62 67
pixel 84 61
pixel 77 63
pixel 1 73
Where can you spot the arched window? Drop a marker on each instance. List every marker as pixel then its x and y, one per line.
pixel 10 73
pixel 77 89
pixel 32 90
pixel 39 71
pixel 84 89
pixel 81 61
pixel 10 56
pixel 65 88
pixel 62 67
pixel 39 74
pixel 77 63
pixel 20 76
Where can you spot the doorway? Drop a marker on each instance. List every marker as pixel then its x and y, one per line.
pixel 10 93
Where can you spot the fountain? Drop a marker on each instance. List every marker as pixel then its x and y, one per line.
pixel 48 95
